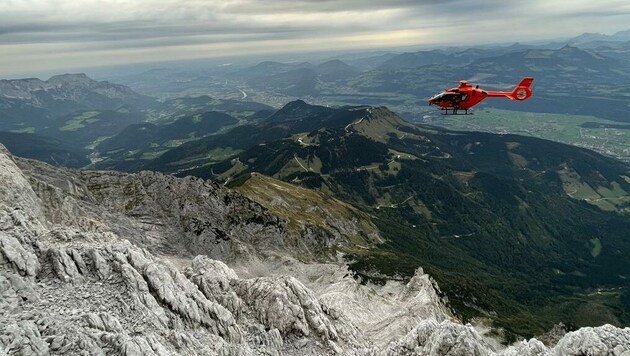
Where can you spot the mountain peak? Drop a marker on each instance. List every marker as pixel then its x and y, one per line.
pixel 378 123
pixel 334 61
pixel 295 106
pixel 336 67
pixel 299 103
pixel 268 64
pixel 334 64
pixel 380 111
pixel 568 47
pixel 591 34
pixel 71 78
pixel 298 109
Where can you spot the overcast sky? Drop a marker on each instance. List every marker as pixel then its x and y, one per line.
pixel 64 35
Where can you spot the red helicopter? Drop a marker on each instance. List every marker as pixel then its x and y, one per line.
pixel 465 96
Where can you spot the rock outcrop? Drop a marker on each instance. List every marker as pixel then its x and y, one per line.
pixel 102 263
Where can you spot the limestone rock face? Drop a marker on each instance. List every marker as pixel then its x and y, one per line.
pixel 99 263
pixel 14 254
pixel 433 338
pixel 24 339
pixel 193 214
pixel 286 305
pixel 15 190
pixel 79 272
pixel 605 340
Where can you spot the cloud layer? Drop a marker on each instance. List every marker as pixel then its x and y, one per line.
pixel 38 35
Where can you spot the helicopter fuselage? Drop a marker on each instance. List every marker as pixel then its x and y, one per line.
pixel 465 96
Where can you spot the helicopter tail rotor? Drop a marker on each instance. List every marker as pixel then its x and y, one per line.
pixel 522 91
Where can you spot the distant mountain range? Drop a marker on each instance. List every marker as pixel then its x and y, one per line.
pixel 570 78
pixel 74 108
pixel 33 103
pixel 573 79
pixel 585 75
pixel 598 40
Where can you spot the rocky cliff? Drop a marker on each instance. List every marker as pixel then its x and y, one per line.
pixel 101 263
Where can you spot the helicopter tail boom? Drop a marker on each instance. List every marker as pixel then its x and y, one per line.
pixel 521 92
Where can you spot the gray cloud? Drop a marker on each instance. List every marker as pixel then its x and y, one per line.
pixel 56 34
pixel 129 31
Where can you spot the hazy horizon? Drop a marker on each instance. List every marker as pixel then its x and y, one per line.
pixel 38 36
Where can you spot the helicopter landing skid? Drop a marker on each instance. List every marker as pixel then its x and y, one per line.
pixel 456 112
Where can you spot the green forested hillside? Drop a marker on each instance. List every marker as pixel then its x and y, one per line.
pixel 45 149
pixel 497 219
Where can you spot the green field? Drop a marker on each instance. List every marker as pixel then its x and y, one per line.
pixel 79 121
pixel 566 128
pixel 29 129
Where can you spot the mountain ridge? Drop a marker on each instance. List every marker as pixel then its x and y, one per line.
pixel 449 199
pixel 33 102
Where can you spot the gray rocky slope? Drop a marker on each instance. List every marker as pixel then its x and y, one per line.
pixel 95 263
